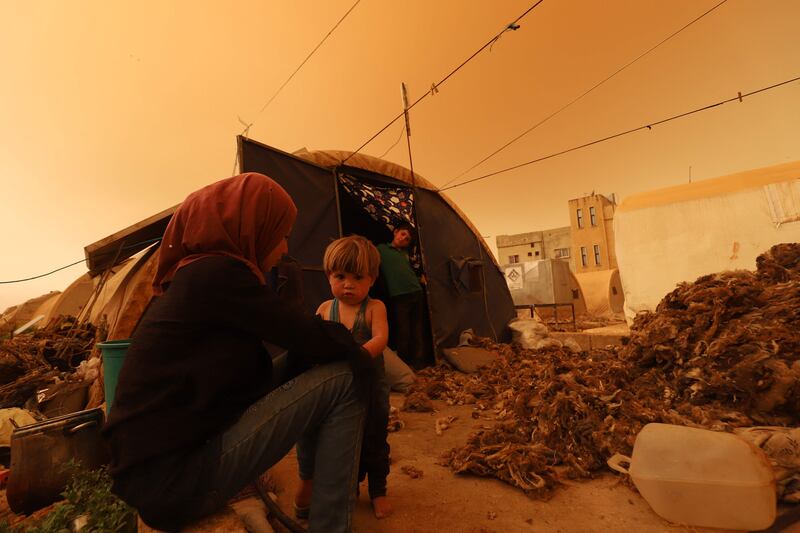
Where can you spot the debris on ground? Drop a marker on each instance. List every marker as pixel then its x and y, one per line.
pixel 443 423
pixel 720 353
pixel 417 402
pixel 88 494
pixel 782 448
pixel 412 472
pixel 39 358
pixel 395 424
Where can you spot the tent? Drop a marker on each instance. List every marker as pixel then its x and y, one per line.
pixel 676 234
pixel 116 289
pixel 16 316
pixel 602 290
pixel 466 288
pixel 72 300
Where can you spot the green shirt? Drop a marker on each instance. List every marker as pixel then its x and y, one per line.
pixel 397 271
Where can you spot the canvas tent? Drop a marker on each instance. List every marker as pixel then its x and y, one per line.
pixel 16 316
pixel 72 300
pixel 677 234
pixel 602 290
pixel 466 288
pixel 116 289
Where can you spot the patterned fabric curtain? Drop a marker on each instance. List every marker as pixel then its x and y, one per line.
pixel 387 205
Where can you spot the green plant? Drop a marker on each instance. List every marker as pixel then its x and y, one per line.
pixel 88 493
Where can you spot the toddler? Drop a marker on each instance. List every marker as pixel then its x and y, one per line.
pixel 352 265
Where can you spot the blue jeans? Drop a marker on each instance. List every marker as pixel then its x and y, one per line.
pixel 374 458
pixel 321 402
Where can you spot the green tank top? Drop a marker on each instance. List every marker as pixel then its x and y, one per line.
pixel 361 331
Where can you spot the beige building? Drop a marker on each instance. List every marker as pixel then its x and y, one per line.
pixel 536 245
pixel 668 236
pixel 592 231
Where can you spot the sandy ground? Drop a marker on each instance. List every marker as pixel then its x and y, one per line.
pixel 440 501
pixel 443 502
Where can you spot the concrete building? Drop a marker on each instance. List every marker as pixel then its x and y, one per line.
pixel 536 245
pixel 592 232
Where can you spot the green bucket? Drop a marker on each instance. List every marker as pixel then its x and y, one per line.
pixel 113 355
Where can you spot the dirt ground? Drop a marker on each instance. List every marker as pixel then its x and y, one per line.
pixel 440 501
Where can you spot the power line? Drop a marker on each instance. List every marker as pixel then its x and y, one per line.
pixel 305 60
pixel 117 251
pixel 264 107
pixel 42 275
pixel 524 133
pixel 435 87
pixel 739 97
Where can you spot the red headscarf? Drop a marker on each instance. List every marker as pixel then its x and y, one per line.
pixel 244 217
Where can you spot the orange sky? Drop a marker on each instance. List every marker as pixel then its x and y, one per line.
pixel 113 111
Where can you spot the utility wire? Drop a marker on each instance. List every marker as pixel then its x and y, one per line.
pixel 117 251
pixel 395 143
pixel 42 275
pixel 285 83
pixel 524 133
pixel 648 126
pixel 434 88
pixel 306 60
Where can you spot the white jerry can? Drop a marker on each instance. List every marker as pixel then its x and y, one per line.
pixel 701 478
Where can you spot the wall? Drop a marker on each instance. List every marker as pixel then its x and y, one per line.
pixel 534 246
pixel 681 233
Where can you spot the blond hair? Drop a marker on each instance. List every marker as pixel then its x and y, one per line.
pixel 352 254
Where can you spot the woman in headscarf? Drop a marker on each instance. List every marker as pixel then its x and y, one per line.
pixel 193 420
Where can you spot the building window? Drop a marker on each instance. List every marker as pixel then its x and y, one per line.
pixel 596 254
pixel 575 294
pixel 537 253
pixel 584 257
pixel 592 216
pixel 562 253
pixel 530 254
pixel 780 200
pixel 579 213
pixel 513 259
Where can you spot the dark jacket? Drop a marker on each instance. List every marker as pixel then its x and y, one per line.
pixel 197 360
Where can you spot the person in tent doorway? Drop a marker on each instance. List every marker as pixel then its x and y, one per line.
pixel 352 265
pixel 195 417
pixel 406 298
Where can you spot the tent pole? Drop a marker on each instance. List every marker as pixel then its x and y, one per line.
pixel 404 94
pixel 335 173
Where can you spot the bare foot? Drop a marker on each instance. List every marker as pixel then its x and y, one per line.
pixel 382 507
pixel 302 500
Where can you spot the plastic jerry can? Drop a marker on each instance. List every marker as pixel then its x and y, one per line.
pixel 699 477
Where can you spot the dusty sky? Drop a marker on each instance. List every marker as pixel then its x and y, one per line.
pixel 113 111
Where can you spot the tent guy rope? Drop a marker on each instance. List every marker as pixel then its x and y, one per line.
pixel 435 87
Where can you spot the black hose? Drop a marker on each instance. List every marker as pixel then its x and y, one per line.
pixel 275 509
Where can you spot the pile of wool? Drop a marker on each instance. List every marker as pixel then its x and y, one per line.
pixel 720 353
